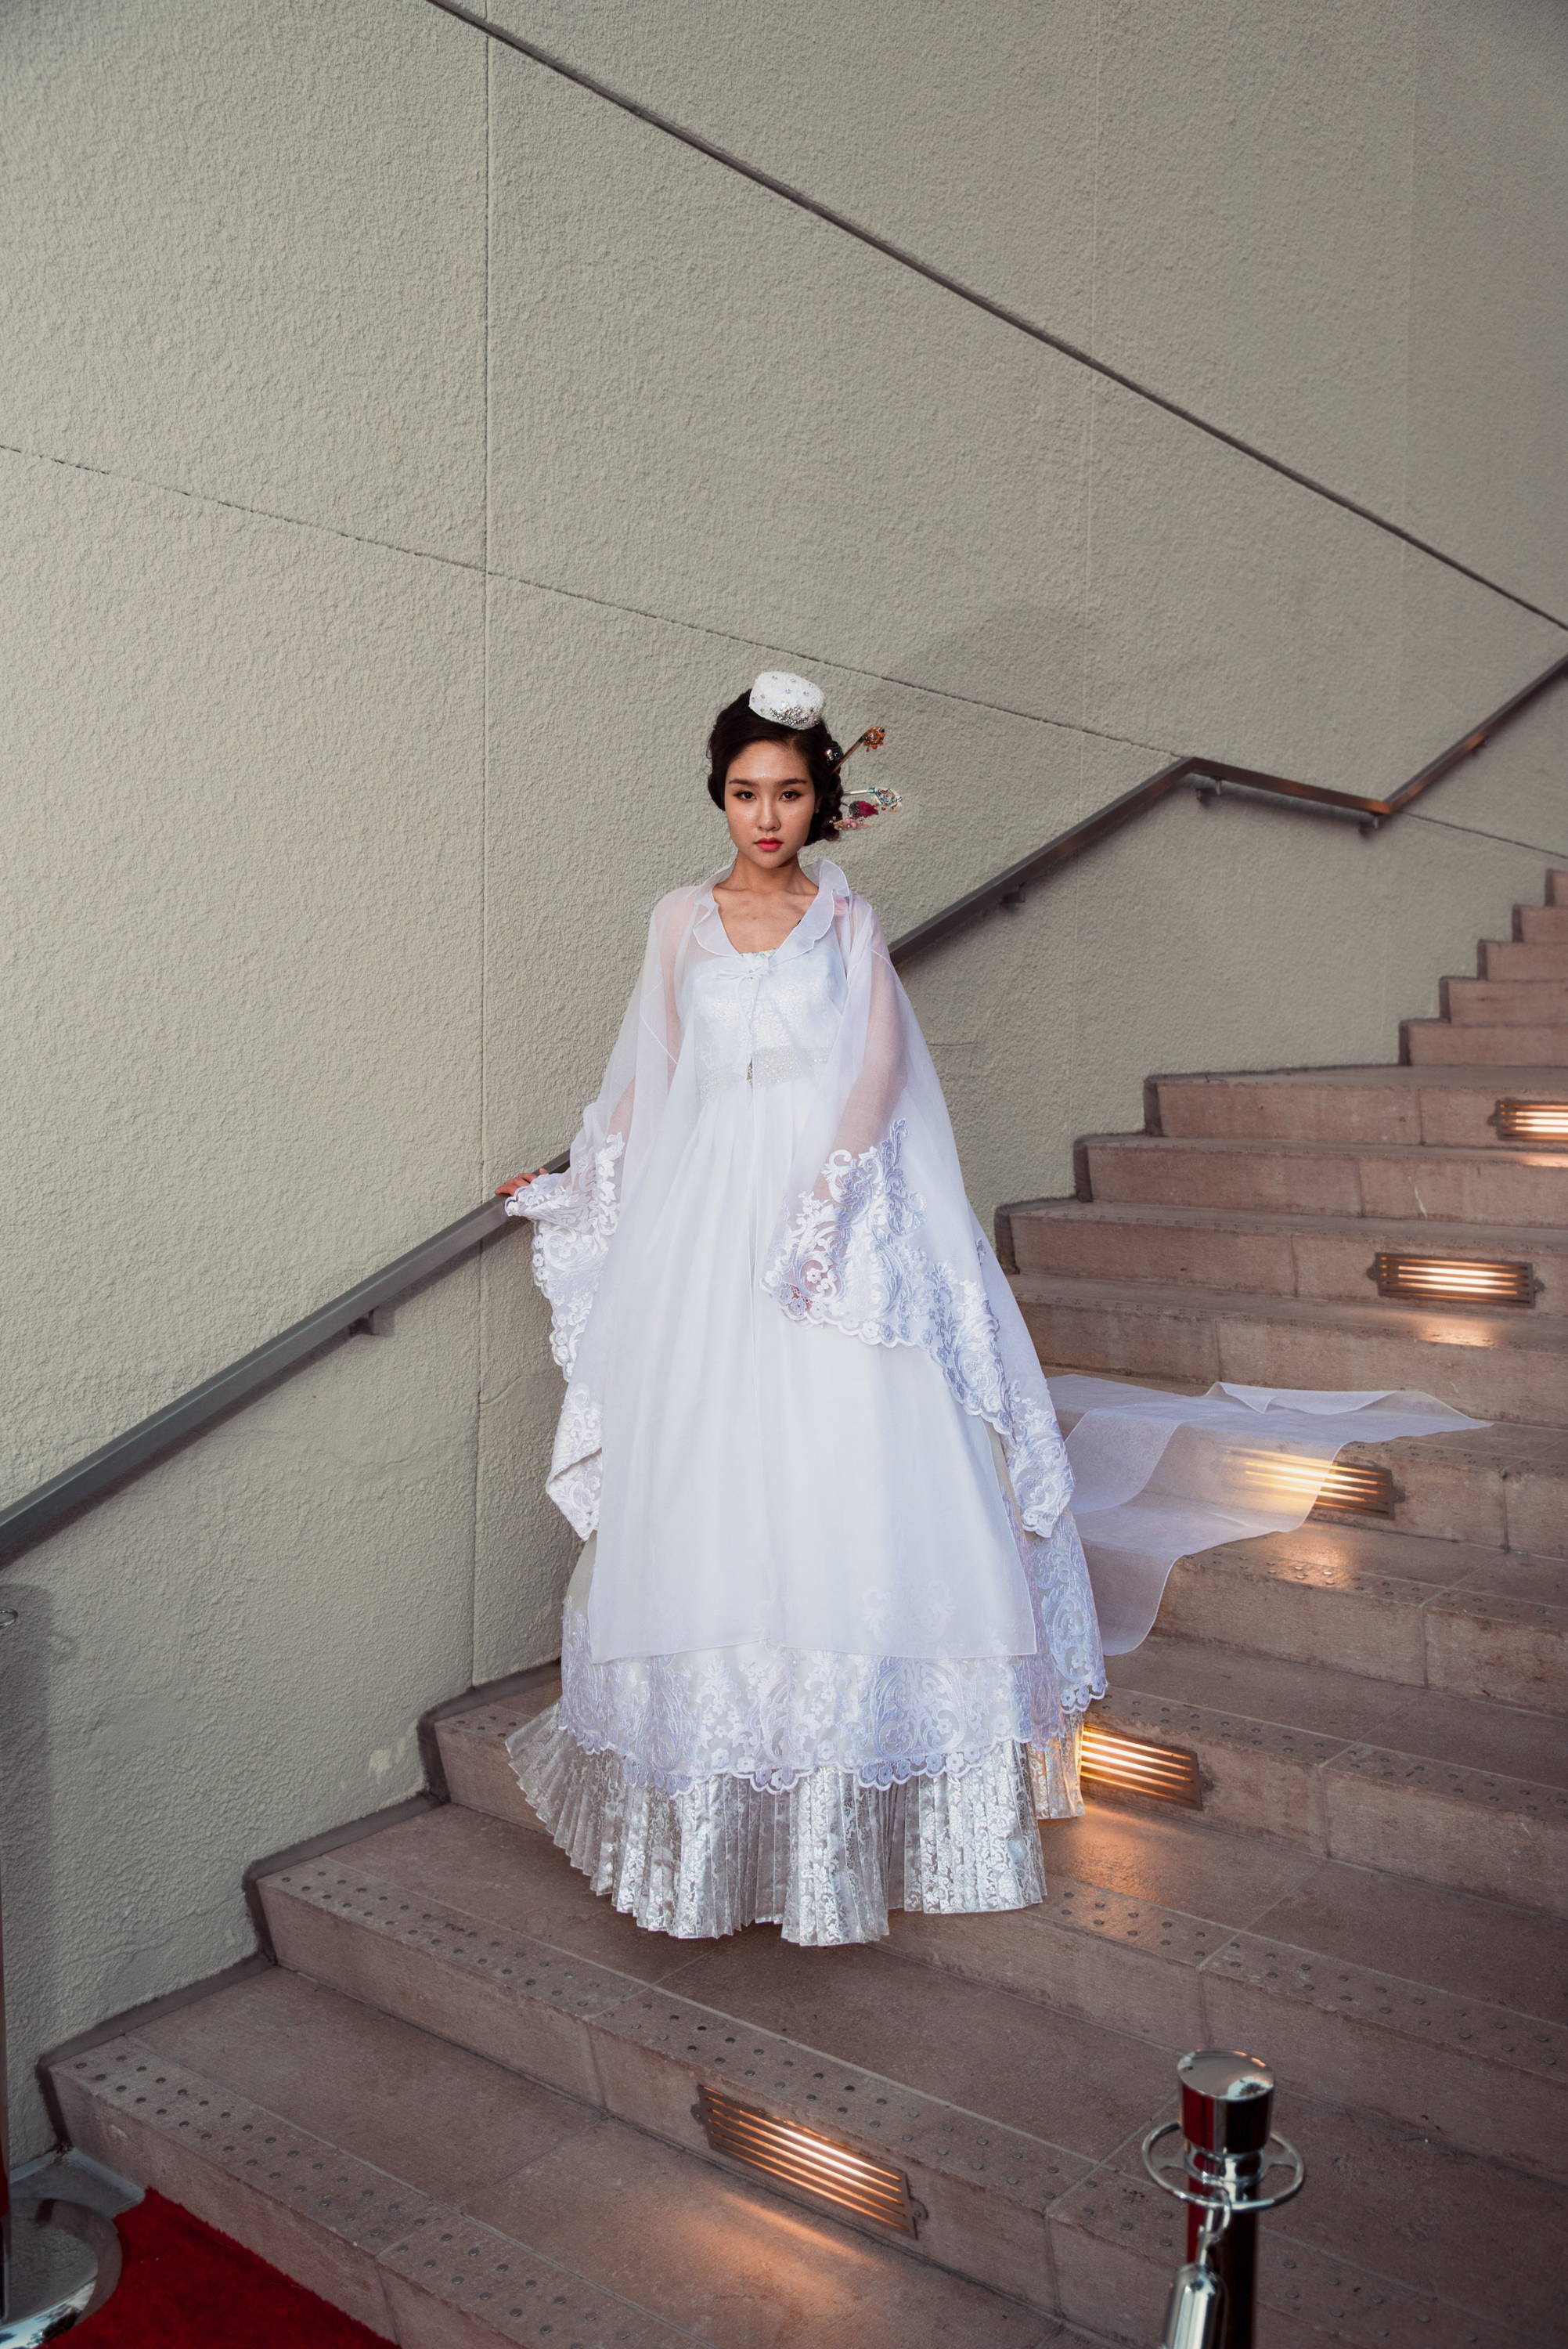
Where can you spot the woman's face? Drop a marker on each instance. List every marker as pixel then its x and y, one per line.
pixel 770 800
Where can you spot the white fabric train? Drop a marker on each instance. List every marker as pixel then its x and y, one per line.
pixel 1157 1477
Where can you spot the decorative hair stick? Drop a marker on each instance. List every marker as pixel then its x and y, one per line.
pixel 872 739
pixel 876 800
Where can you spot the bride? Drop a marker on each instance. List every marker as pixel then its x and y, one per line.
pixel 828 1645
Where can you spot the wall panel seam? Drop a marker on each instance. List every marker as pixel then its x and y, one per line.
pixel 576 595
pixel 972 295
pixel 237 505
pixel 481 1286
pixel 1475 832
pixel 832 660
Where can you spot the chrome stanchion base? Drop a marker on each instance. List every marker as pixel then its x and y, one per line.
pixel 65 2263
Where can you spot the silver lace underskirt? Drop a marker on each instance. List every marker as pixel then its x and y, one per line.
pixel 824 1861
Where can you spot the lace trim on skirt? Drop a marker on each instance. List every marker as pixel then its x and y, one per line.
pixel 774 1716
pixel 825 1859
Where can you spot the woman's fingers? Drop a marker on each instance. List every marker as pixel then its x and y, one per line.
pixel 505 1190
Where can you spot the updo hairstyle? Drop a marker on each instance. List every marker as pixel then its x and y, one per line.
pixel 737 726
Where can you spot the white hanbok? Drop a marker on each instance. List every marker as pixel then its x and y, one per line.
pixel 831 1637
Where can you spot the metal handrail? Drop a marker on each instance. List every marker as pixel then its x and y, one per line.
pixel 362 1307
pixel 41 1512
pixel 1208 774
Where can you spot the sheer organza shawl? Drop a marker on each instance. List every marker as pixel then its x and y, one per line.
pixel 1161 1477
pixel 870 1234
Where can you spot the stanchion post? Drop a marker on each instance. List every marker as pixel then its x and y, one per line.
pixel 1226 2148
pixel 1227 2110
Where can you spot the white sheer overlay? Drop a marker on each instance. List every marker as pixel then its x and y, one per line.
pixel 811 1451
pixel 771 1134
pixel 1158 1476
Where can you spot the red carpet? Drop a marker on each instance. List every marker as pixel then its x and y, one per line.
pixel 184 2285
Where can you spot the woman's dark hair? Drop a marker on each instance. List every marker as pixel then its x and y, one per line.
pixel 737 726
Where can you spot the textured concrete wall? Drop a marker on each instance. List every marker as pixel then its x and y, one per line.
pixel 403 452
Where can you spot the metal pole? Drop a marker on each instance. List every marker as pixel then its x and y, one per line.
pixel 1227 2106
pixel 1218 2168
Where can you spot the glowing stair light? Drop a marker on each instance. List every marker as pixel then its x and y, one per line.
pixel 798 2157
pixel 1356 1492
pixel 1531 1121
pixel 1280 1478
pixel 1136 1766
pixel 1452 1280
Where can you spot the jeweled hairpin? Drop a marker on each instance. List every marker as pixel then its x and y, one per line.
pixel 872 739
pixel 877 800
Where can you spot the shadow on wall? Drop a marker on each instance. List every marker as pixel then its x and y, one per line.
pixel 1041 640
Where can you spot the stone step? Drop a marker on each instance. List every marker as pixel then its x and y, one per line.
pixel 1401 1103
pixel 1387 1606
pixel 1360 1985
pixel 1517 958
pixel 483 1932
pixel 1013 2117
pixel 1415 1183
pixel 1430 1042
pixel 449 2202
pixel 471 1738
pixel 1505 1003
pixel 1165 1895
pixel 1325 1257
pixel 1449 1789
pixel 1491 1366
pixel 1503 1487
pixel 1540 924
pixel 1328 2287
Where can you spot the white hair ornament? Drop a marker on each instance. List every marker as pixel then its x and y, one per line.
pixel 785 699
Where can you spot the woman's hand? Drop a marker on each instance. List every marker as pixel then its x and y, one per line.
pixel 516 1182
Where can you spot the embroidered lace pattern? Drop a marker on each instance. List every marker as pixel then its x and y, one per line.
pixel 576 1465
pixel 574 1225
pixel 773 1716
pixel 849 1258
pixel 1066 1628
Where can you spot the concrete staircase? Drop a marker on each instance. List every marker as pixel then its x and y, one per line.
pixel 462 2104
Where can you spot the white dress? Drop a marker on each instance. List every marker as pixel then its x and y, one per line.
pixel 814 1664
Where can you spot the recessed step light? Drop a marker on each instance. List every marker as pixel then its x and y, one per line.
pixel 1452 1279
pixel 1278 1479
pixel 1137 1765
pixel 1531 1121
pixel 1356 1492
pixel 798 2157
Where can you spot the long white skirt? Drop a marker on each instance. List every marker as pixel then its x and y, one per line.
pixel 863 1710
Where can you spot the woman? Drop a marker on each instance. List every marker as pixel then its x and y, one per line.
pixel 828 1642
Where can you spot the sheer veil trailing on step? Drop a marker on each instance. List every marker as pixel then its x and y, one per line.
pixel 1160 1476
pixel 871 1234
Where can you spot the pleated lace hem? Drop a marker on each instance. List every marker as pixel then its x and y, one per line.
pixel 825 1860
